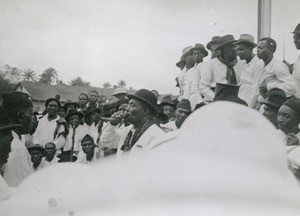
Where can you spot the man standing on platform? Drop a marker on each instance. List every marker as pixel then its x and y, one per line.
pixel 296 67
pixel 225 68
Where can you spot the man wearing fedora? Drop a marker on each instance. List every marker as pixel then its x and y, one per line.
pixel 51 127
pixel 141 109
pixel 275 73
pixel 183 110
pixel 168 106
pixel 19 109
pixel 296 66
pixel 189 63
pixel 92 123
pixel 252 69
pixel 199 52
pixel 211 45
pixel 76 132
pixel 196 97
pixel 225 68
pixel 37 152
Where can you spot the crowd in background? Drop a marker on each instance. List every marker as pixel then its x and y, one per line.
pixel 89 130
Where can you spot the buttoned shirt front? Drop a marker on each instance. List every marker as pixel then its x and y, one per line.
pixel 278 76
pixel 249 79
pixel 214 71
pixel 80 132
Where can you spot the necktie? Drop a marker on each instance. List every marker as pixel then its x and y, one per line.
pixel 127 143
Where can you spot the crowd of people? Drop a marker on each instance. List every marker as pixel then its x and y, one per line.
pixel 88 130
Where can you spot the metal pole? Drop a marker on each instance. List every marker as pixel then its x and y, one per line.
pixel 264 18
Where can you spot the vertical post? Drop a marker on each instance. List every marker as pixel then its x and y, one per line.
pixel 264 19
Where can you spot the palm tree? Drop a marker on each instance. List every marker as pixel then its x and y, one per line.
pixel 49 76
pixel 78 81
pixel 122 83
pixel 106 85
pixel 29 75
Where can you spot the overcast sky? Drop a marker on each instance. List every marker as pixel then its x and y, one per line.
pixel 138 41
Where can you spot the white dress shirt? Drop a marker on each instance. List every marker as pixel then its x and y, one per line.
pixel 142 143
pixel 80 132
pixel 214 71
pixel 45 132
pixel 250 75
pixel 18 165
pixel 279 77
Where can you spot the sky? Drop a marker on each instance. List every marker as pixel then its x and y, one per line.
pixel 138 41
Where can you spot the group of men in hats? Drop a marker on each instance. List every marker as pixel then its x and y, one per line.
pixel 129 124
pixel 234 63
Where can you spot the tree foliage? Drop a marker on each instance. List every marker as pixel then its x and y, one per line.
pixel 29 75
pixel 106 85
pixel 78 81
pixel 49 76
pixel 9 76
pixel 122 83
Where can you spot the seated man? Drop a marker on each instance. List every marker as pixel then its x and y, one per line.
pixel 168 106
pixel 36 152
pixel 91 151
pixel 275 98
pixel 49 158
pixel 183 110
pixel 288 123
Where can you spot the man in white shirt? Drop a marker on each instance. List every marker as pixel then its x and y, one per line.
pixel 226 68
pixel 252 69
pixel 275 73
pixel 288 123
pixel 196 97
pixel 296 67
pixel 198 52
pixel 137 136
pixel 76 133
pixel 184 74
pixel 91 152
pixel 20 110
pixel 50 157
pixel 51 127
pixel 92 122
pixel 37 153
pixel 183 110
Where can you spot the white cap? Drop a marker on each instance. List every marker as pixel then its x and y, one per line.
pixel 120 91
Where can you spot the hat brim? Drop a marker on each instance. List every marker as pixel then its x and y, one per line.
pixel 218 46
pixel 296 32
pixel 9 127
pixel 245 41
pixel 209 44
pixel 74 103
pixel 202 50
pixel 80 114
pixel 36 148
pixel 271 104
pixel 151 106
pixel 178 64
pixel 166 103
